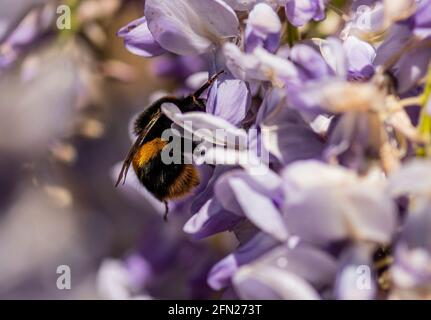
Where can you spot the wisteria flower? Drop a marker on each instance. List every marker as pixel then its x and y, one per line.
pixel 300 12
pixel 304 145
pixel 263 29
pixel 335 194
pixel 139 40
pixel 191 26
pixel 411 270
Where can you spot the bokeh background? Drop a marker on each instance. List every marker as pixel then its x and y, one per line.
pixel 66 99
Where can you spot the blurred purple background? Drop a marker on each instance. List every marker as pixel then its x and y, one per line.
pixel 66 100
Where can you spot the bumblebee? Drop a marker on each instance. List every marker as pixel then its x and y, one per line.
pixel 164 181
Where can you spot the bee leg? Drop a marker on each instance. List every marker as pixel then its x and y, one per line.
pixel 165 216
pixel 201 90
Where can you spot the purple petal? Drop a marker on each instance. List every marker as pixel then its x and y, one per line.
pixel 302 261
pixel 179 67
pixel 221 274
pixel 323 216
pixel 299 12
pixel 422 20
pixel 290 138
pixel 398 36
pixel 140 270
pixel 333 52
pixel 272 283
pixel 308 98
pixel 241 5
pixel 413 178
pixel 188 27
pixel 355 279
pixel 353 139
pixel 313 66
pixel 208 192
pixel 360 57
pixel 212 218
pixel 412 67
pixel 299 142
pixel 12 14
pixel 229 99
pixel 139 40
pixel 369 17
pixel 411 271
pixel 260 65
pixel 235 189
pixel 263 29
pixel 328 203
pixel 205 126
pixel 27 30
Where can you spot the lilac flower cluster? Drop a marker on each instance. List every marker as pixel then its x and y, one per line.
pixel 343 210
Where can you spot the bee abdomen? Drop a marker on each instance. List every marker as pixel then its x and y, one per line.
pixel 184 183
pixel 164 181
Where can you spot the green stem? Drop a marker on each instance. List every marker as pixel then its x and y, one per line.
pixel 291 34
pixel 424 126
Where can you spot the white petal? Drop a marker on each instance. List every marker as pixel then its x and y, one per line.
pixel 282 284
pixel 333 52
pixel 113 280
pixel 259 65
pixel 259 209
pixel 205 126
pixel 308 174
pixel 263 17
pixel 241 5
pixel 197 80
pixel 412 178
pixel 190 27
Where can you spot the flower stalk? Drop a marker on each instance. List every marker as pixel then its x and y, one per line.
pixel 291 34
pixel 424 126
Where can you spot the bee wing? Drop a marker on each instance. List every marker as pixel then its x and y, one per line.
pixel 138 143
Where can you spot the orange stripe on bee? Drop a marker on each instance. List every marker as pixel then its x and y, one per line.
pixel 148 151
pixel 184 183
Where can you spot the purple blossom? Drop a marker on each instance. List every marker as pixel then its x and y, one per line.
pixel 26 23
pixel 422 20
pixel 285 273
pixel 319 192
pixel 196 28
pixel 288 136
pixel 412 274
pixel 139 40
pixel 263 29
pixel 221 274
pixel 299 12
pixel 178 67
pixel 360 57
pixel 13 13
pixel 354 261
pixel 247 5
pixel 411 37
pixel 230 99
pixel 316 181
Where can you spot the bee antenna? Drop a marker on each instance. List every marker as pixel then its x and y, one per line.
pixel 120 176
pixel 128 161
pixel 201 90
pixel 125 167
pixel 138 143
